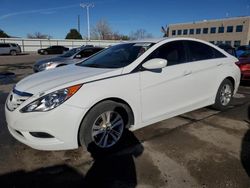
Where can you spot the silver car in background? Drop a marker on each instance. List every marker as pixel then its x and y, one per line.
pixel 74 55
pixel 10 48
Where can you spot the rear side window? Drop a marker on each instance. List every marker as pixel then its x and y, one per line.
pixel 173 52
pixel 4 45
pixel 14 45
pixel 199 51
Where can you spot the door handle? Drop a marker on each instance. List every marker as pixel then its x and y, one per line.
pixel 187 73
pixel 219 64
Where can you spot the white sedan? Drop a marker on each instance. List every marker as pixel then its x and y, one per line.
pixel 129 85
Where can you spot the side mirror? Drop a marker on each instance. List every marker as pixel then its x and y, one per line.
pixel 156 63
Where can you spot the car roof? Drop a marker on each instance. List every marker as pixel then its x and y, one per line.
pixel 167 39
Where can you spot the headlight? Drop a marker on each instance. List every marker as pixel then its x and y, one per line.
pixel 51 100
pixel 45 66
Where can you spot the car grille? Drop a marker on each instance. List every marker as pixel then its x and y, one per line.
pixel 16 98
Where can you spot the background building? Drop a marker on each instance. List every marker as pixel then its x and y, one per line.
pixel 233 31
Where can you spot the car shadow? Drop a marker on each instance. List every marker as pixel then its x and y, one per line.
pixel 112 169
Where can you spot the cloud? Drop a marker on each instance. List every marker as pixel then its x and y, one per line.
pixel 42 11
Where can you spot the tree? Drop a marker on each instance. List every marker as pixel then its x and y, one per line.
pixel 38 35
pixel 102 30
pixel 3 34
pixel 73 34
pixel 140 34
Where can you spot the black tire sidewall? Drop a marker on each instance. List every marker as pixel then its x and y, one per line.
pixel 13 52
pixel 217 105
pixel 85 132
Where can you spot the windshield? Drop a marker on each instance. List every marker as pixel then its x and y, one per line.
pixel 70 52
pixel 117 56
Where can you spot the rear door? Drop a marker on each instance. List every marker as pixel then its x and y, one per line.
pixel 206 64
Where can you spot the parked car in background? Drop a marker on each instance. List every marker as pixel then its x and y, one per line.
pixel 74 55
pixel 10 48
pixel 241 49
pixel 244 65
pixel 53 50
pixel 228 48
pixel 129 85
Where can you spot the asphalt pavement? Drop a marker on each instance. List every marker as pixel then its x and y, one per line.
pixel 203 148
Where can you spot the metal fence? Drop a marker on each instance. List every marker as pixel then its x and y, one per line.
pixel 31 45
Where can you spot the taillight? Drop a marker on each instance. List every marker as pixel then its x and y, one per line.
pixel 245 67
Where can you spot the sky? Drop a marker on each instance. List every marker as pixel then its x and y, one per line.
pixel 57 17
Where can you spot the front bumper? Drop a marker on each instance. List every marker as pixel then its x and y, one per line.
pixel 62 124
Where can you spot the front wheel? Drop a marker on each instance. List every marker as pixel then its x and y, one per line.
pixel 103 126
pixel 224 95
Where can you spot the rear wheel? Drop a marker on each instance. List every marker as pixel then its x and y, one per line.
pixel 13 52
pixel 103 126
pixel 45 53
pixel 224 95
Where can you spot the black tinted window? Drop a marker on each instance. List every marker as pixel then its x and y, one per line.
pixel 213 30
pixel 198 31
pixel 199 51
pixel 221 29
pixel 239 28
pixel 4 45
pixel 173 52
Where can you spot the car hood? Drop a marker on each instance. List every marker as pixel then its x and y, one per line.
pixel 63 77
pixel 53 59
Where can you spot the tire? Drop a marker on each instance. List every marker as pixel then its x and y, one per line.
pixel 45 53
pixel 224 95
pixel 13 52
pixel 95 134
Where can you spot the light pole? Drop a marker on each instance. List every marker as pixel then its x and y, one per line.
pixel 87 6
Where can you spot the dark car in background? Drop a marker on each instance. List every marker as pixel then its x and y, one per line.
pixel 244 65
pixel 242 49
pixel 228 48
pixel 74 55
pixel 10 48
pixel 53 50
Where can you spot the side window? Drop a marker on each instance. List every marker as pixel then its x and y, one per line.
pixel 173 52
pixel 4 45
pixel 86 53
pixel 199 51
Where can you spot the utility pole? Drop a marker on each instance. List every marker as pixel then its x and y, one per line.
pixel 78 23
pixel 87 6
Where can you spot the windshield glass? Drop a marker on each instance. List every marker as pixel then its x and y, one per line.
pixel 70 52
pixel 117 56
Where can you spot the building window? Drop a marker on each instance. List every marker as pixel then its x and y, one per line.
pixel 211 42
pixel 185 32
pixel 230 29
pixel 228 42
pixel 239 28
pixel 205 30
pixel 198 31
pixel 236 43
pixel 191 31
pixel 179 32
pixel 173 32
pixel 213 30
pixel 221 29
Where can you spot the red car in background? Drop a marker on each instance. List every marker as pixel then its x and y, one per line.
pixel 244 65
